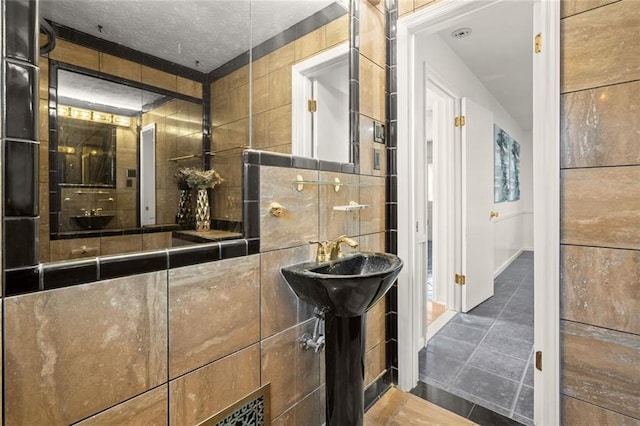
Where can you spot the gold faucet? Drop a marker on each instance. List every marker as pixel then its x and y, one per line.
pixel 331 250
pixel 334 251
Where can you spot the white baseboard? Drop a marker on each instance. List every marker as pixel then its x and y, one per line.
pixel 507 263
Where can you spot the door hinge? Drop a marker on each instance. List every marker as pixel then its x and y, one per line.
pixel 460 121
pixel 461 279
pixel 538 43
pixel 312 105
pixel 539 360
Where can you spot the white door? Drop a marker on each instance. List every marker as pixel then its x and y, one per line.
pixel 323 78
pixel 148 175
pixel 477 203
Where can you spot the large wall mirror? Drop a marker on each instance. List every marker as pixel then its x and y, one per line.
pixel 134 93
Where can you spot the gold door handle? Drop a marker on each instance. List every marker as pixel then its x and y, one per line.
pixel 493 214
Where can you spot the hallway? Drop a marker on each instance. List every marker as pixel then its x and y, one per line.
pixel 486 355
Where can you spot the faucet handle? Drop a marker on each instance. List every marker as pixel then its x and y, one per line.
pixel 321 254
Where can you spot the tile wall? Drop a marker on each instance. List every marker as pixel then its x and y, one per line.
pixel 270 109
pixel 171 343
pixel 600 237
pixel 165 346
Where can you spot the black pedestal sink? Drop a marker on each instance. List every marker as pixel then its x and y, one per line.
pixel 344 289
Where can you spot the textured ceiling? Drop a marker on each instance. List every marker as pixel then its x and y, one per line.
pixel 499 51
pixel 211 32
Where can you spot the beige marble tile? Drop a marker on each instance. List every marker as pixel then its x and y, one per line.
pixel 156 240
pixel 237 78
pixel 375 325
pixel 119 67
pixel 600 207
pixel 422 3
pixel 213 311
pixel 239 103
pixel 373 242
pixel 280 87
pixel 260 129
pixel 298 223
pixel 279 126
pixel 338 31
pixel 150 408
pixel 372 33
pixel 292 372
pixel 372 193
pixel 374 363
pixel 600 127
pixel 310 44
pixel 334 223
pixel 280 308
pixel 157 78
pixel 260 94
pixel 372 87
pixel 597 287
pixel 76 55
pixel 120 244
pixel 260 67
pixel 282 57
pixel 600 47
pixel 404 7
pixel 572 7
pixel 308 412
pixel 189 87
pixel 72 352
pixel 43 86
pixel 74 249
pixel 212 388
pixel 579 413
pixel 601 367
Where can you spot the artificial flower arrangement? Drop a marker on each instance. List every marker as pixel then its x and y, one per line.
pixel 188 177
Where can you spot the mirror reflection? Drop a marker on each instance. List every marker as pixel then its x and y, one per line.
pixel 136 93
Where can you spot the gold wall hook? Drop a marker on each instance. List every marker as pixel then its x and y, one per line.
pixel 276 209
pixel 493 214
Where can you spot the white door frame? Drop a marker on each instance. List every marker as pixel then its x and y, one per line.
pixel 546 196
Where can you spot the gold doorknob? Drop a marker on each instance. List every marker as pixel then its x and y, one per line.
pixel 493 214
pixel 276 209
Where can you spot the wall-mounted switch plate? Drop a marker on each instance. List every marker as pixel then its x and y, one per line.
pixel 376 159
pixel 378 132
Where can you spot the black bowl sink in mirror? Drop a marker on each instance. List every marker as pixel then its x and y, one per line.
pixel 346 287
pixel 92 222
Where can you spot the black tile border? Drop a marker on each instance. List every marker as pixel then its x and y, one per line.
pixel 66 274
pixel 391 181
pixel 49 276
pixel 132 264
pixel 266 158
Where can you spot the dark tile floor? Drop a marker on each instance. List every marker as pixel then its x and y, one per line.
pixel 486 355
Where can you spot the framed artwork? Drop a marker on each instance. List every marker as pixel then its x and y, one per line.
pixel 506 167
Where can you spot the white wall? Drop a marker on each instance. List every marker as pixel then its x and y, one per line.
pixel 513 229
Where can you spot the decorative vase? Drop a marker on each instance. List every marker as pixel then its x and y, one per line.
pixel 203 215
pixel 185 212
